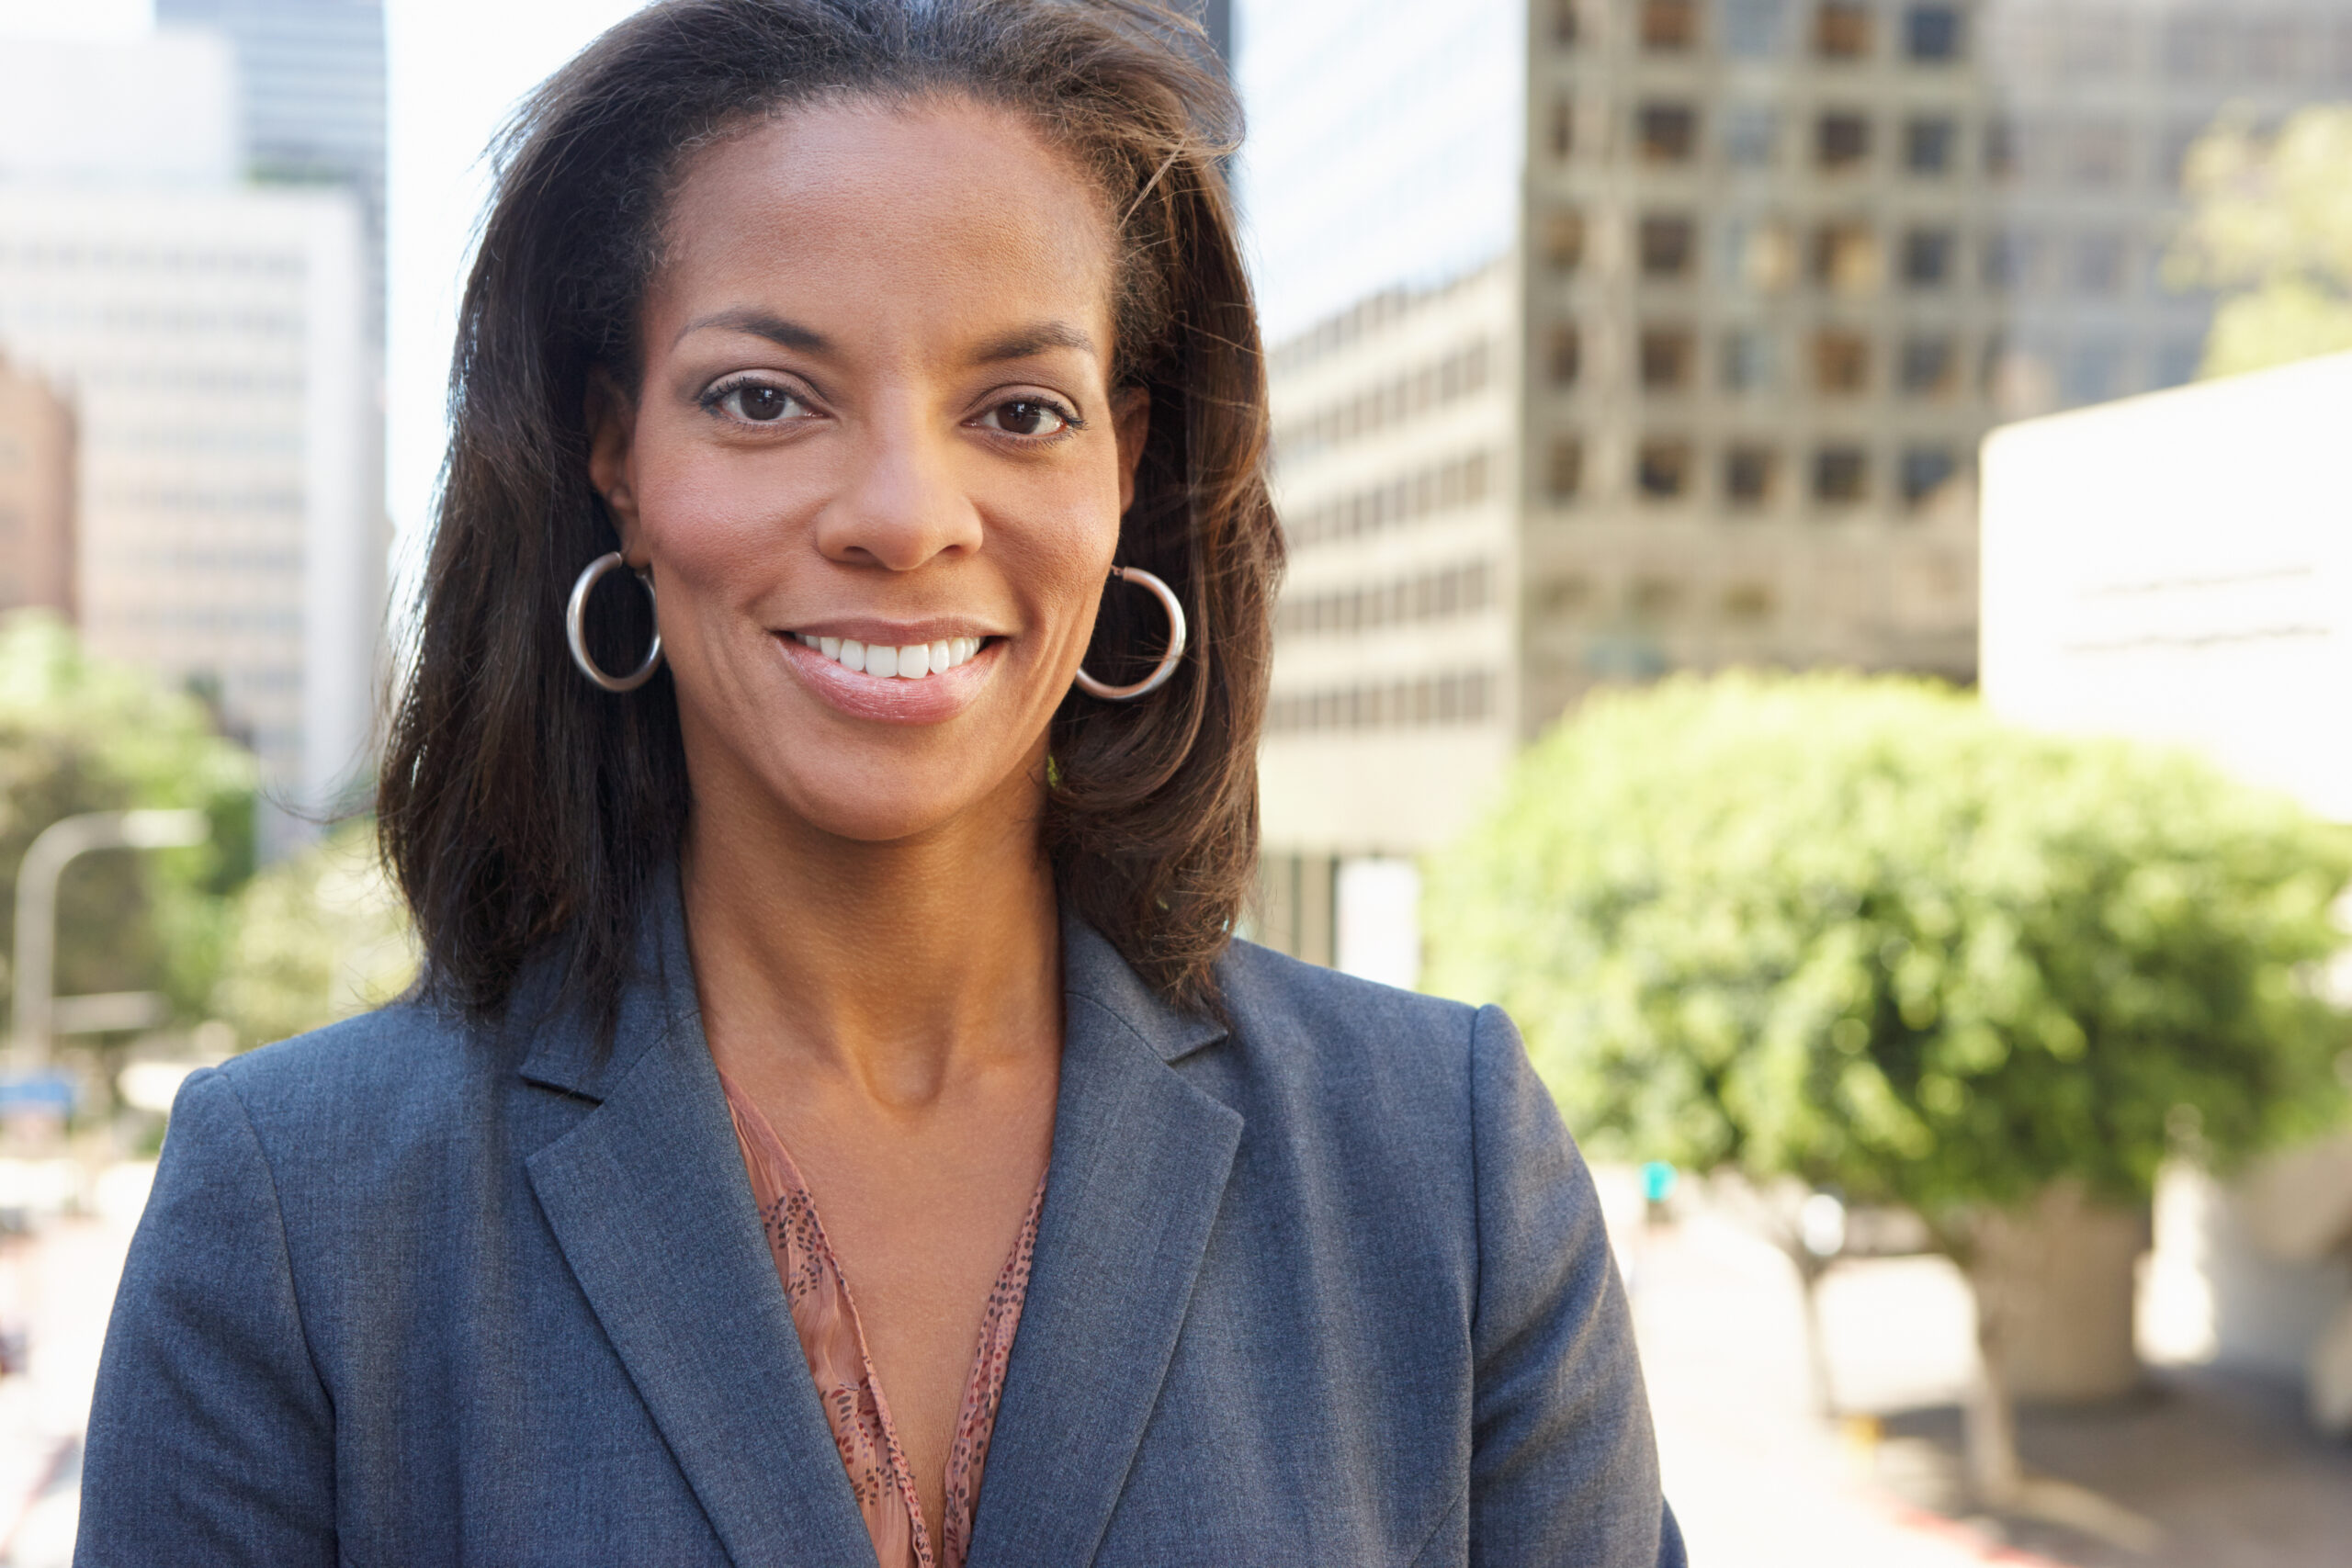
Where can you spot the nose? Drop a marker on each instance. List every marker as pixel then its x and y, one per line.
pixel 900 506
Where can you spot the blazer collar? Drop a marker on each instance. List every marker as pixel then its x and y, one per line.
pixel 1140 1161
pixel 648 1199
pixel 658 1004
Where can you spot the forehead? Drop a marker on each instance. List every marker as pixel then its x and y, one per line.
pixel 941 215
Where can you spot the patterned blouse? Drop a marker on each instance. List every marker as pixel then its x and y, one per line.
pixel 825 1315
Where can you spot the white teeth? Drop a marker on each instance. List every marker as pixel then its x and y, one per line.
pixel 913 663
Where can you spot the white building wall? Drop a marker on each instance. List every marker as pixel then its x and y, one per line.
pixel 2178 567
pixel 214 340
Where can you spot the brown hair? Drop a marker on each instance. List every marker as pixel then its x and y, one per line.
pixel 526 813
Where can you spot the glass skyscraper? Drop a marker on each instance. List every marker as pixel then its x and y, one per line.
pixel 310 89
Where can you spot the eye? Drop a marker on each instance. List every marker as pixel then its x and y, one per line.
pixel 1029 416
pixel 757 402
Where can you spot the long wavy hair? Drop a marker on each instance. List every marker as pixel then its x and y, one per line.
pixel 525 813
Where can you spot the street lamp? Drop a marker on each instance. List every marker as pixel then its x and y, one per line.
pixel 58 844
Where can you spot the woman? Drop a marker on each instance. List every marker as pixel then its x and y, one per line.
pixel 871 924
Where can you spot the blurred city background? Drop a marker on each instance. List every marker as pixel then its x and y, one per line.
pixel 1821 578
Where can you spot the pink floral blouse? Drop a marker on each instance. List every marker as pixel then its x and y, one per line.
pixel 825 1315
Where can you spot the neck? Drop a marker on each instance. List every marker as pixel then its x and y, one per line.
pixel 894 968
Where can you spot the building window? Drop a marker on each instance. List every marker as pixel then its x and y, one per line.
pixel 2275 48
pixel 1929 146
pixel 1751 136
pixel 1669 27
pixel 2197 46
pixel 2093 371
pixel 2099 263
pixel 1564 355
pixel 1655 598
pixel 1926 257
pixel 1845 256
pixel 1840 474
pixel 1665 244
pixel 2010 259
pixel 1666 358
pixel 1931 32
pixel 1564 241
pixel 2178 360
pixel 1748 603
pixel 1564 472
pixel 1842 140
pixel 2003 148
pixel 1566 24
pixel 1926 469
pixel 1562 137
pixel 2099 154
pixel 1841 361
pixel 1747 360
pixel 1931 366
pixel 1841 29
pixel 1752 29
pixel 1564 595
pixel 1662 468
pixel 1665 133
pixel 1756 253
pixel 1747 476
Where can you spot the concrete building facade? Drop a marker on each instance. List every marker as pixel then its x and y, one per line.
pixel 1776 266
pixel 37 494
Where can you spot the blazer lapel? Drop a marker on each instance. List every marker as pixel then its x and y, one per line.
pixel 1140 1161
pixel 648 1200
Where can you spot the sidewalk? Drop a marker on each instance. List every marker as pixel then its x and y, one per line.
pixel 2221 1467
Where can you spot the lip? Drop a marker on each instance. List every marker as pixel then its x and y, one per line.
pixel 896 634
pixel 886 699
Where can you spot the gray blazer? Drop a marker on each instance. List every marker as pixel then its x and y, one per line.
pixel 1329 1288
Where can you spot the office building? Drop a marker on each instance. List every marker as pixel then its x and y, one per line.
pixel 310 97
pixel 1775 267
pixel 36 441
pixel 215 338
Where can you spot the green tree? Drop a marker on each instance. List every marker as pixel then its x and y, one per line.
pixel 1858 933
pixel 2270 229
pixel 78 734
pixel 320 936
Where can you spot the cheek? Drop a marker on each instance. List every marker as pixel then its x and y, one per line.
pixel 706 520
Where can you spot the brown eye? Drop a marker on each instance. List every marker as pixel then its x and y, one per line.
pixel 1026 416
pixel 762 405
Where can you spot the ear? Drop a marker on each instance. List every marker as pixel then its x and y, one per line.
pixel 612 429
pixel 1131 419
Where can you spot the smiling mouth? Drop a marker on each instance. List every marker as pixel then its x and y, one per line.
pixel 910 663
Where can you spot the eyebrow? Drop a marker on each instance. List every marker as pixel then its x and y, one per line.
pixel 760 323
pixel 1035 339
pixel 1020 343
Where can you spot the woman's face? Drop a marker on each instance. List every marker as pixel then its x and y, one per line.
pixel 875 418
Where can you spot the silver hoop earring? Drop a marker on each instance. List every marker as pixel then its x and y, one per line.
pixel 1167 660
pixel 575 629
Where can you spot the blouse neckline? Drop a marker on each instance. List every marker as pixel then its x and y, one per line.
pixel 833 1341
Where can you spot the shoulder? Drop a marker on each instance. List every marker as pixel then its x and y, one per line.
pixel 1317 1023
pixel 1380 1075
pixel 402 1077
